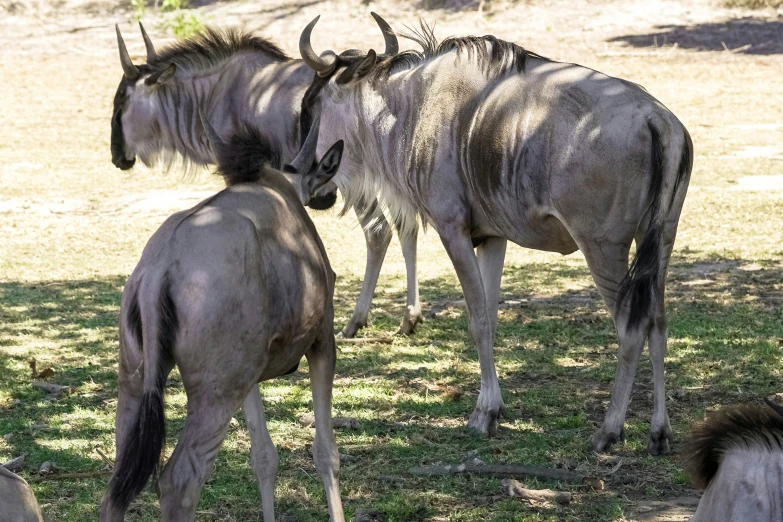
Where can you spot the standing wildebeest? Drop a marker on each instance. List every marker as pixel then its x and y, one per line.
pixel 736 456
pixel 488 143
pixel 233 291
pixel 238 80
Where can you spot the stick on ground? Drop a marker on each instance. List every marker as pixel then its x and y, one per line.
pixel 499 471
pixel 380 340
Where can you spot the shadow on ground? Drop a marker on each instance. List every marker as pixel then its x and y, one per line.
pixel 556 362
pixel 761 36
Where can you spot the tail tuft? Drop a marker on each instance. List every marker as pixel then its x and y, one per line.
pixel 140 456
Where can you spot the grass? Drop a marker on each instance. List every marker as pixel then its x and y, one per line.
pixel 73 228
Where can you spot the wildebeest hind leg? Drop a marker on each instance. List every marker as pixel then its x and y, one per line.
pixel 660 429
pixel 321 359
pixel 377 235
pixel 186 471
pixel 264 455
pixel 459 246
pixel 608 263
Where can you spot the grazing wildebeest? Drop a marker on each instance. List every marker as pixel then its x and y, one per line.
pixel 736 456
pixel 17 501
pixel 489 142
pixel 233 291
pixel 238 80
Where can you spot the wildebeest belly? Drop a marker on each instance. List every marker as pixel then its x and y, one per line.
pixel 507 162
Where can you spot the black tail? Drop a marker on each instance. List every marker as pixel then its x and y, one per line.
pixel 642 281
pixel 142 450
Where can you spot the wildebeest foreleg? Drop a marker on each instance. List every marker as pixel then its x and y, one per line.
pixel 491 254
pixel 264 455
pixel 321 359
pixel 412 316
pixel 377 235
pixel 459 246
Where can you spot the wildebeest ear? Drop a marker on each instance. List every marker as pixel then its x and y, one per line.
pixel 327 167
pixel 778 409
pixel 162 76
pixel 358 70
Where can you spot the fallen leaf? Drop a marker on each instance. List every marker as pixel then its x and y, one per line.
pixel 45 374
pixel 593 482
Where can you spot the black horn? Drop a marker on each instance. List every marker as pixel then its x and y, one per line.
pixel 322 65
pixel 130 70
pixel 392 45
pixel 304 160
pixel 147 44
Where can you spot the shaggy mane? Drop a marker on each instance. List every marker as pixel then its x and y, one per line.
pixel 244 156
pixel 495 56
pixel 742 427
pixel 211 48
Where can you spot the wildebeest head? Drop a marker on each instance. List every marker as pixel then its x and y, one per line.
pixel 335 76
pixel 345 69
pixel 134 121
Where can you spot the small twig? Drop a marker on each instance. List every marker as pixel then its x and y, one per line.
pixel 104 457
pixel 736 50
pixel 512 488
pixel 58 476
pixel 498 471
pixel 616 467
pixel 380 340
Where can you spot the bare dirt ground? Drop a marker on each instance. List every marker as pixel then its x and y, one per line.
pixel 68 215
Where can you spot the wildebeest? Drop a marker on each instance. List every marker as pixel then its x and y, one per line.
pixel 736 456
pixel 17 501
pixel 238 80
pixel 489 142
pixel 233 291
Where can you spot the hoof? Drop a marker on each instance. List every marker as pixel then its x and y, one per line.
pixel 602 441
pixel 352 328
pixel 409 323
pixel 485 421
pixel 658 443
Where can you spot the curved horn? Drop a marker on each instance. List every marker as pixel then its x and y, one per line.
pixel 130 70
pixel 306 156
pixel 392 45
pixel 147 43
pixel 322 66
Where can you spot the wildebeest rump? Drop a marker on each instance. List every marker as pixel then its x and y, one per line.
pixel 233 291
pixel 238 80
pixel 489 142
